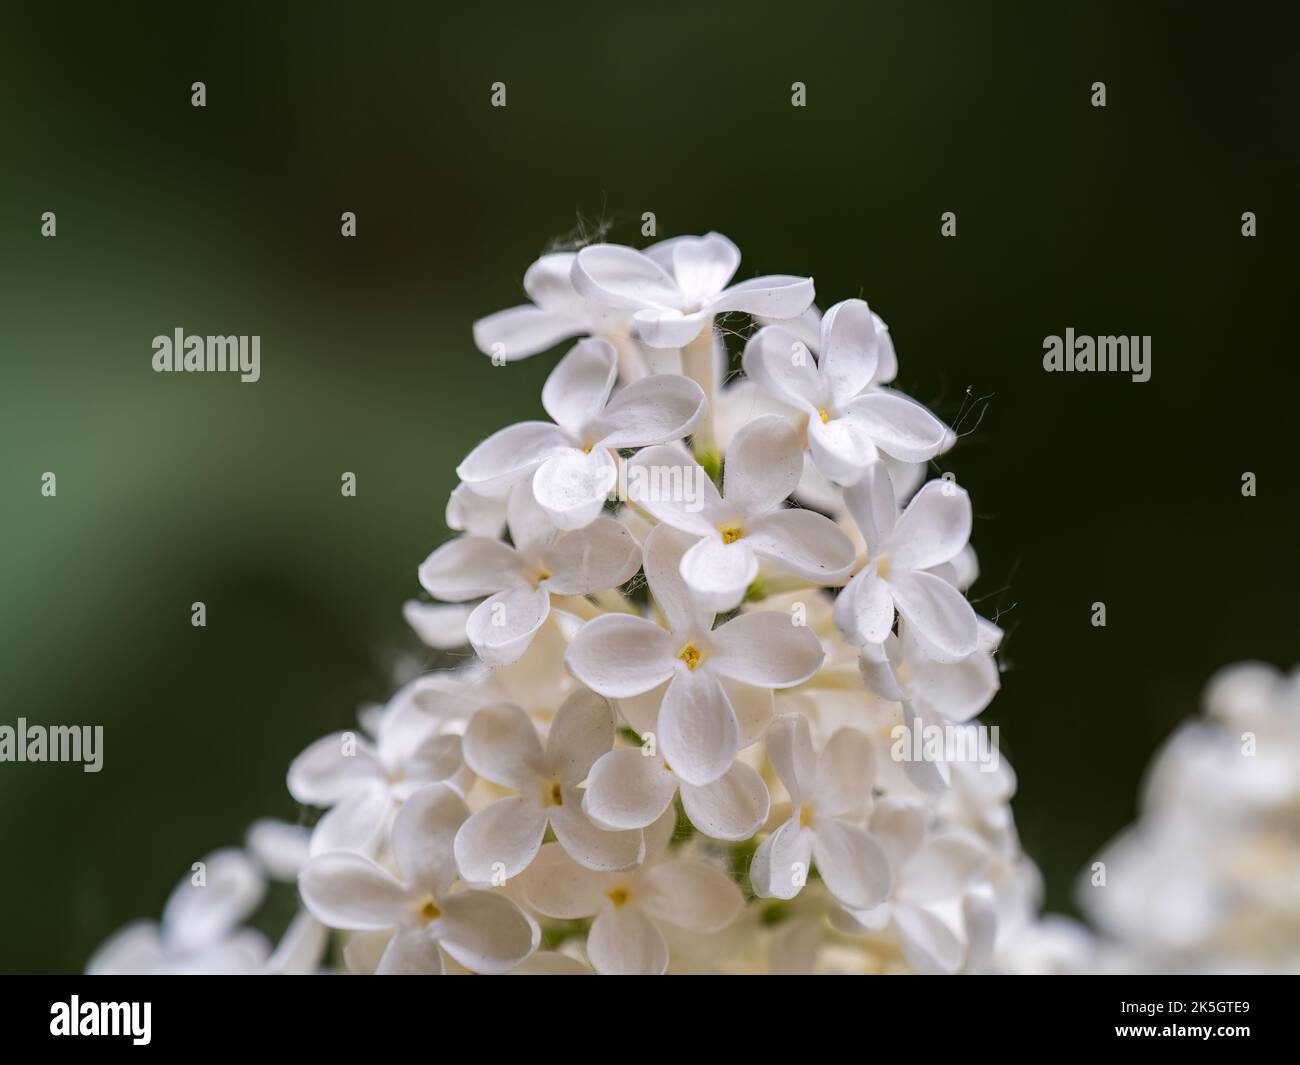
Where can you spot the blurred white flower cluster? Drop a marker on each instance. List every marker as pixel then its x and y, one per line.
pixel 720 715
pixel 1208 879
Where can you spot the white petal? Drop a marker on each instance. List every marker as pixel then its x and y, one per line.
pixel 510 454
pixel 929 945
pixel 359 823
pixel 619 655
pixel 775 296
pixel 654 410
pixel 691 895
pixel 333 768
pixel 135 950
pixel 469 567
pixel 673 488
pixel 518 332
pixel 580 384
pixel 501 745
pixel 279 847
pixel 590 845
pixel 840 449
pixel 557 886
pixel 615 276
pixel 424 831
pixel 718 573
pixel 628 789
pixel 501 628
pixel 499 841
pixel 532 529
pixel 411 952
pixel 572 486
pixel 765 649
pixel 698 733
pixel 437 759
pixel 350 891
pixel 438 625
pixel 790 750
pixel 941 619
pixel 733 807
pixel 603 555
pixel 623 942
pixel 864 611
pixel 667 328
pixel 199 914
pixel 763 466
pixel 486 933
pixel 469 511
pixel 753 708
pixel 664 549
pixel 845 774
pixel 871 503
pixel 702 266
pixel 781 864
pixel 804 543
pixel 934 527
pixel 783 367
pixel 899 426
pixel 582 731
pixel 301 948
pixel 848 350
pixel 549 284
pixel 960 690
pixel 851 863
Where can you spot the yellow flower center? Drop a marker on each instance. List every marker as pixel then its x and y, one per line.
pixel 429 912
pixel 730 533
pixel 556 795
pixel 806 815
pixel 690 654
pixel 618 896
pixel 825 417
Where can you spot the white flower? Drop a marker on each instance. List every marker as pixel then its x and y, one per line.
pixel 847 419
pixel 936 906
pixel 520 580
pixel 676 287
pixel 901 552
pixel 200 931
pixel 625 937
pixel 749 520
pixel 482 930
pixel 501 745
pixel 363 783
pixel 620 656
pixel 572 462
pixel 829 796
pixel 901 670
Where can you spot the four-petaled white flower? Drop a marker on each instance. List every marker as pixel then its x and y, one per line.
pixel 849 422
pixel 573 461
pixel 829 795
pixel 625 938
pixel 362 784
pixel 902 550
pixel 749 520
pixel 519 580
pixel 482 930
pixel 501 745
pixel 675 287
pixel 620 656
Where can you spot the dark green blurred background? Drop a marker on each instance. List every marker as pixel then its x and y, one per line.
pixel 176 488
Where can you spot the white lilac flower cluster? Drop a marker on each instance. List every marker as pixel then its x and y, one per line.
pixel 702 610
pixel 1208 879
